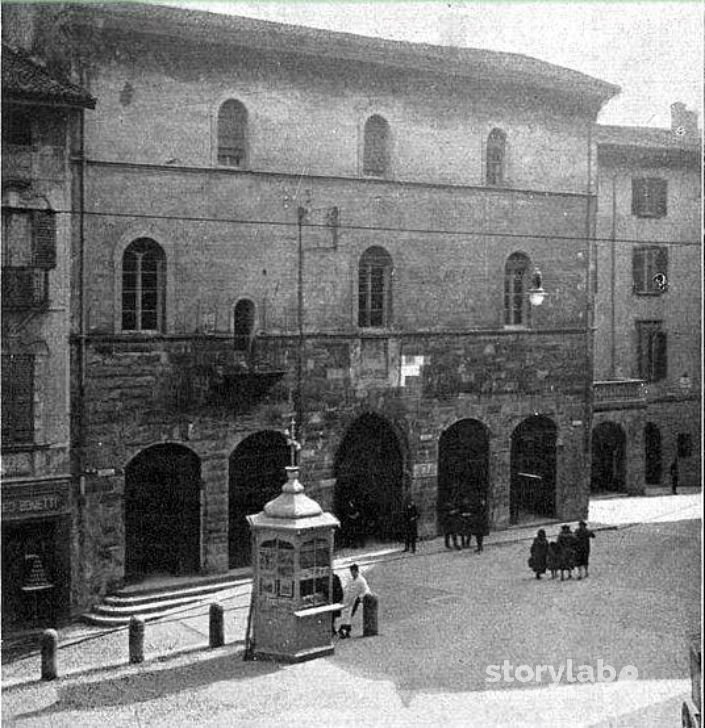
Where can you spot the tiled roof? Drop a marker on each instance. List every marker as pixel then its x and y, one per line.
pixel 24 78
pixel 645 137
pixel 490 67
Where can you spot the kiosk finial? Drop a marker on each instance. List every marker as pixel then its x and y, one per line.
pixel 291 441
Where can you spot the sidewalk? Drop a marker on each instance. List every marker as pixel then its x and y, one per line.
pixel 183 636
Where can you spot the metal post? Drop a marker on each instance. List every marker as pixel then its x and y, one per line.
pixel 216 631
pixel 49 647
pixel 301 212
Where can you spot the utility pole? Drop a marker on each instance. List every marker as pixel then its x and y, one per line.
pixel 298 403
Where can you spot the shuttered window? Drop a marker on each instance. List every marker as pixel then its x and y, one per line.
pixel 652 351
pixel 649 197
pixel 650 270
pixel 375 288
pixel 29 238
pixel 17 398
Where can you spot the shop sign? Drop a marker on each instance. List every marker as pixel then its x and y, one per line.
pixel 29 503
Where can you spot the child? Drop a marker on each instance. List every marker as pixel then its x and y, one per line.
pixel 539 551
pixel 553 559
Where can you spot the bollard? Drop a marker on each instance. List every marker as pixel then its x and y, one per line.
pixel 50 647
pixel 370 603
pixel 217 626
pixel 136 639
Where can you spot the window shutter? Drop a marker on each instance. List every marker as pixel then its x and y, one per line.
pixel 44 240
pixel 660 192
pixel 638 259
pixel 637 195
pixel 660 356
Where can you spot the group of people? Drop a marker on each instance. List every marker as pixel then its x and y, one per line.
pixel 461 522
pixel 570 551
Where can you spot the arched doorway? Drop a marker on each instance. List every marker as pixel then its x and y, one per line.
pixel 608 461
pixel 256 477
pixel 652 453
pixel 533 470
pixel 369 472
pixel 163 512
pixel 463 463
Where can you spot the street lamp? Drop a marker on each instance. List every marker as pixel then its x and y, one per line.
pixel 536 292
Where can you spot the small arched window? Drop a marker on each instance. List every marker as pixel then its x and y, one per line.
pixel 243 324
pixel 232 134
pixel 375 162
pixel 375 288
pixel 496 157
pixel 143 286
pixel 516 285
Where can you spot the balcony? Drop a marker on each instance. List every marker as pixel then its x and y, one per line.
pixel 619 394
pixel 23 164
pixel 25 289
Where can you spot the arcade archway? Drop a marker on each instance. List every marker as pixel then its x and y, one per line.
pixel 463 464
pixel 608 458
pixel 163 512
pixel 256 476
pixel 369 472
pixel 533 470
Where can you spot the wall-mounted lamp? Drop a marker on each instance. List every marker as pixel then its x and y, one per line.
pixel 536 292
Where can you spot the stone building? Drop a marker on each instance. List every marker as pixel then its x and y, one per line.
pixel 648 305
pixel 39 115
pixel 285 222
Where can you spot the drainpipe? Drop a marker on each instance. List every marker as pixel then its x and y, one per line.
pixel 589 305
pixel 613 282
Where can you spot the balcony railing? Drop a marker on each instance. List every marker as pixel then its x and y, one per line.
pixel 25 289
pixel 620 392
pixel 24 164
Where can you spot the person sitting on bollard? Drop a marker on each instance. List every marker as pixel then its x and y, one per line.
pixel 354 591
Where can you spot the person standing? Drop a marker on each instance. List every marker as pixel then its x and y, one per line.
pixel 582 538
pixel 674 476
pixel 354 592
pixel 566 550
pixel 449 523
pixel 337 598
pixel 539 552
pixel 479 526
pixel 411 518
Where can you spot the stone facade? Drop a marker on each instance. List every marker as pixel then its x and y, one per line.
pixel 671 401
pixel 444 354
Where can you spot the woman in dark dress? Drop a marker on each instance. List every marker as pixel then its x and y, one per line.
pixel 539 552
pixel 582 548
pixel 566 548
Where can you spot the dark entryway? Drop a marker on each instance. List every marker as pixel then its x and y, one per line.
pixel 163 512
pixel 463 464
pixel 652 453
pixel 256 476
pixel 369 472
pixel 533 470
pixel 608 458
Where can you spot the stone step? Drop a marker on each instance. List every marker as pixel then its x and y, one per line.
pixel 135 599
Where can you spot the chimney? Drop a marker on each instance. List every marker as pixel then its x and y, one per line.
pixel 683 121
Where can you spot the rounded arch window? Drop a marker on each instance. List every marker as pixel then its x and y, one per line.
pixel 374 288
pixel 232 134
pixel 143 286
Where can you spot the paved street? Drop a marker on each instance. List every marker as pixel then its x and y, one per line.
pixel 445 618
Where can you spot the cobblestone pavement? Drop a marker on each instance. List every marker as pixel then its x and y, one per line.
pixel 445 617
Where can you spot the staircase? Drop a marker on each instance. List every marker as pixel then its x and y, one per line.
pixel 159 597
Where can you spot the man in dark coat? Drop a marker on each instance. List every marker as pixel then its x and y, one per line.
pixel 582 538
pixel 478 523
pixel 449 524
pixel 337 598
pixel 411 518
pixel 566 550
pixel 674 476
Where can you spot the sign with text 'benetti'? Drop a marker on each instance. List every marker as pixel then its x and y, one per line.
pixel 35 500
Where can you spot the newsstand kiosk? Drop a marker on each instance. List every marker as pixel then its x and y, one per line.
pixel 292 576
